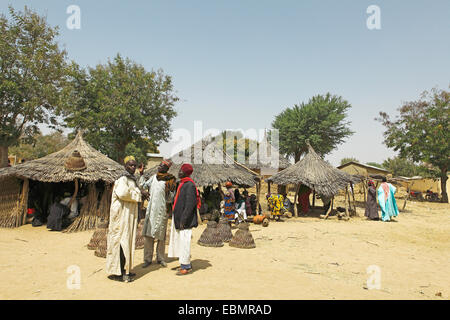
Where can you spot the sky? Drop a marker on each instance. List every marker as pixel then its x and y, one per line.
pixel 236 64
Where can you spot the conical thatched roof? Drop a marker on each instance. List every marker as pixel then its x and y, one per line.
pixel 315 173
pixel 52 168
pixel 266 150
pixel 211 166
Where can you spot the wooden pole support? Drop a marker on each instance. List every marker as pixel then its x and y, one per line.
pixel 74 194
pixel 295 200
pixel 345 201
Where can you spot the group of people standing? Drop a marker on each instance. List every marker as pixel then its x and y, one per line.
pixel 386 201
pixel 165 199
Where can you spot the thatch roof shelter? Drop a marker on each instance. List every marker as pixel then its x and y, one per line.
pixel 77 162
pixel 211 166
pixel 52 168
pixel 315 173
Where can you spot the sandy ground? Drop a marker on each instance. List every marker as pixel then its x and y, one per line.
pixel 299 258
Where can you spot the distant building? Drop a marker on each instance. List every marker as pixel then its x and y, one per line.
pixel 154 159
pixel 362 169
pixel 421 184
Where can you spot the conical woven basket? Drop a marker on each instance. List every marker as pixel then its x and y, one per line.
pixel 100 251
pixel 243 238
pixel 75 162
pixel 224 230
pixel 210 236
pixel 98 235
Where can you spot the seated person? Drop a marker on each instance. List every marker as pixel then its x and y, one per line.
pixel 58 217
pixel 240 210
pixel 73 208
pixel 288 205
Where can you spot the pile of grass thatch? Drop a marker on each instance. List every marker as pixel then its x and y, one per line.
pixel 315 173
pixel 12 202
pixel 88 217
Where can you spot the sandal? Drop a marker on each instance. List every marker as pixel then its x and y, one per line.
pixel 183 272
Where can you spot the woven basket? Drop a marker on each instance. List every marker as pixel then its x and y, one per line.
pixel 100 251
pixel 243 238
pixel 139 244
pixel 224 230
pixel 210 236
pixel 98 235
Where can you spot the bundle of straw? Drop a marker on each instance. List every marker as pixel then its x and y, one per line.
pixel 89 215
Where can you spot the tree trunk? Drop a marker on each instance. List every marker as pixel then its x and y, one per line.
pixel 3 156
pixel 121 153
pixel 444 179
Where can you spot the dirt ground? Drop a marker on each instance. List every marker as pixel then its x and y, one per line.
pixel 298 258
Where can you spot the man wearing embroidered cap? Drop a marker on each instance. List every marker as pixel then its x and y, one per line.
pixel 184 218
pixel 161 187
pixel 122 223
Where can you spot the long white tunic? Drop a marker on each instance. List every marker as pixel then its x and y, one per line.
pixel 155 223
pixel 122 224
pixel 180 244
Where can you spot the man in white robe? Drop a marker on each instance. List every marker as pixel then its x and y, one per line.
pixel 123 214
pixel 161 187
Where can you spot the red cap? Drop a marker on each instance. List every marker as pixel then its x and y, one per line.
pixel 187 169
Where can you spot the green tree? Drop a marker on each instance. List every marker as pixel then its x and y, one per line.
pixel 348 159
pixel 121 103
pixel 375 164
pixel 401 167
pixel 422 132
pixel 322 121
pixel 33 72
pixel 41 146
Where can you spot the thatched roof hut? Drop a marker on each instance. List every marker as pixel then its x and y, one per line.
pixel 77 162
pixel 315 173
pixel 52 168
pixel 211 166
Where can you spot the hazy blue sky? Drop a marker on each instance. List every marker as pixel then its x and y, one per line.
pixel 255 58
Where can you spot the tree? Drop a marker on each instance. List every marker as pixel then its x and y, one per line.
pixel 421 132
pixel 41 146
pixel 375 164
pixel 348 159
pixel 401 167
pixel 32 77
pixel 121 103
pixel 321 121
